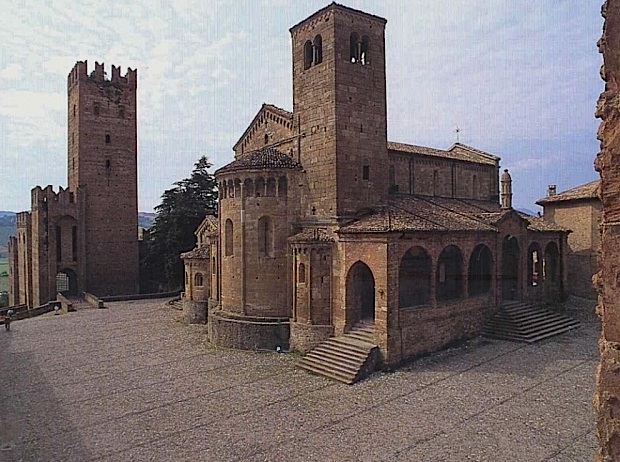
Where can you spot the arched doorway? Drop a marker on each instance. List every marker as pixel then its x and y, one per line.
pixel 510 268
pixel 66 282
pixel 414 278
pixel 360 293
pixel 449 278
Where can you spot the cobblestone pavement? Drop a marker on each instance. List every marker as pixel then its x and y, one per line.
pixel 134 383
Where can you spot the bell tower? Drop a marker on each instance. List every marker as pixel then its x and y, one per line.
pixel 339 106
pixel 102 175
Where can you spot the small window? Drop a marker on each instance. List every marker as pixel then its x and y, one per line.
pixel 364 49
pixel 74 110
pixel 318 50
pixel 72 139
pixel 71 198
pixel 307 54
pixel 107 138
pixel 366 172
pixel 121 113
pixel 266 138
pixel 228 238
pixel 353 51
pixel 198 280
pixel 108 166
pixel 96 110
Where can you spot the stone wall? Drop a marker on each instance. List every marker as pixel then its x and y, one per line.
pixel 607 398
pixel 245 334
pixel 304 337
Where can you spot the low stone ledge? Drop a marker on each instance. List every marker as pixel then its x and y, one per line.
pixel 93 300
pixel 248 333
pixel 195 311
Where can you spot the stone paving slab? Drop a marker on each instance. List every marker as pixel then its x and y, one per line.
pixel 134 383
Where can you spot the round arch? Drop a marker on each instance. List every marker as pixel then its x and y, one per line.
pixel 480 271
pixel 510 268
pixel 414 278
pixel 449 284
pixel 66 282
pixel 360 292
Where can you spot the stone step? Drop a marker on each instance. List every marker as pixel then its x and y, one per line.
pixel 527 323
pixel 347 358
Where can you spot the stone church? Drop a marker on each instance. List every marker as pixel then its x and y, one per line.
pixel 325 226
pixel 84 238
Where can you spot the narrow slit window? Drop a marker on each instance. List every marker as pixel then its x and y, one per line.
pixel 107 138
pixel 366 172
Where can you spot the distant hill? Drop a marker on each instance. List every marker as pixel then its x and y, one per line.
pixel 7 227
pixel 146 219
pixel 8 224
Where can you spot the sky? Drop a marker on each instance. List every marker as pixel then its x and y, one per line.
pixel 520 79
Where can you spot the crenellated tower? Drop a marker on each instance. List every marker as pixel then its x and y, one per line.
pixel 339 105
pixel 102 171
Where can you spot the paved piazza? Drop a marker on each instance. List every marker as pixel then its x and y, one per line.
pixel 134 383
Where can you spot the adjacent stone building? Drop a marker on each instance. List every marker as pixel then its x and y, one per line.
pixel 83 238
pixel 324 224
pixel 578 209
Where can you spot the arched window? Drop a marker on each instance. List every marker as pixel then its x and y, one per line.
pixel 318 50
pixel 96 110
pixel 301 274
pixel 107 138
pixel 266 138
pixel 265 236
pixel 228 238
pixel 121 113
pixel 198 280
pixel 260 186
pixel 364 51
pixel 353 51
pixel 307 54
pixel 534 265
pixel 435 182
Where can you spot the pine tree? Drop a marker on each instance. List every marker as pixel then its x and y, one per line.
pixel 182 209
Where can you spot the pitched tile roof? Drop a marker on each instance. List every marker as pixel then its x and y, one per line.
pixel 266 158
pixel 584 191
pixel 209 226
pixel 311 235
pixel 422 213
pixel 457 151
pixel 197 253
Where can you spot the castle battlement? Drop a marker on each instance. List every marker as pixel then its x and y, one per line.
pixel 80 73
pixel 23 220
pixel 48 196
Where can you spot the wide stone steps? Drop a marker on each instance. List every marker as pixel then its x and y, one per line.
pixel 522 322
pixel 348 358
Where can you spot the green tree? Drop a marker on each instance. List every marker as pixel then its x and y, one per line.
pixel 182 209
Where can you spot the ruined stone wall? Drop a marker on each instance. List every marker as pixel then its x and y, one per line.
pixel 607 397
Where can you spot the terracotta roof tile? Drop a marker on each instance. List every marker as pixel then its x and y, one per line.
pixel 197 252
pixel 585 191
pixel 457 151
pixel 267 158
pixel 311 235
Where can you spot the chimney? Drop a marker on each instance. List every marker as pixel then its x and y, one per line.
pixel 551 190
pixel 506 191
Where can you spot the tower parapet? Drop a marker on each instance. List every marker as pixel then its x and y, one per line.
pixel 80 73
pixel 48 196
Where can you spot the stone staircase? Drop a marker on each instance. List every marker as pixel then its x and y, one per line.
pixel 347 358
pixel 522 322
pixel 79 303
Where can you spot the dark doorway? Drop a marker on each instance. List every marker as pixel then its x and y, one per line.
pixel 66 282
pixel 361 292
pixel 510 268
pixel 414 278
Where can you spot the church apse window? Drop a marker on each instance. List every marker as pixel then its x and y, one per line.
pixel 228 238
pixel 265 236
pixel 198 281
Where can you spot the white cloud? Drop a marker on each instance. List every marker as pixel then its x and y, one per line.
pixel 11 72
